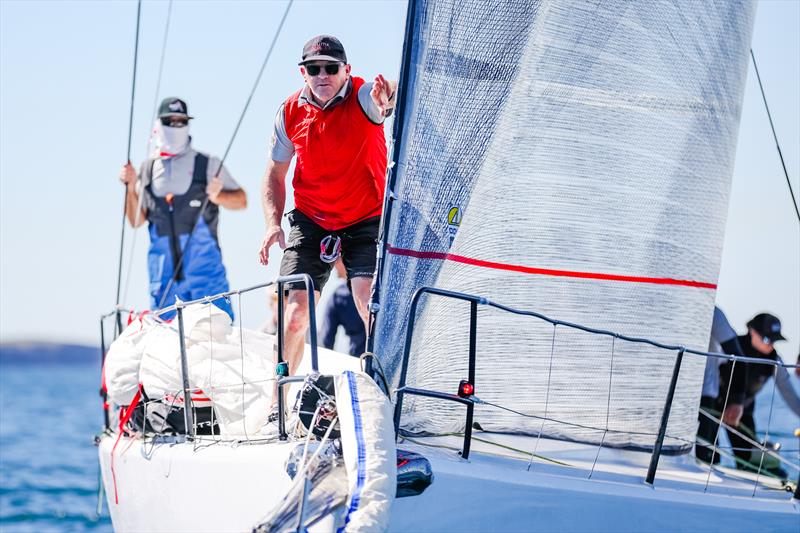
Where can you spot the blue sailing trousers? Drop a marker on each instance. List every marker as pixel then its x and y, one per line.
pixel 203 273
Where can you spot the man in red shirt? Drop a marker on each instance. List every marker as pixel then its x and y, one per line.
pixel 334 126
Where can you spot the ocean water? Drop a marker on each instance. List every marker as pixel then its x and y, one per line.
pixel 49 413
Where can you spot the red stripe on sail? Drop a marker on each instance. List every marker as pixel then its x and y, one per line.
pixel 546 271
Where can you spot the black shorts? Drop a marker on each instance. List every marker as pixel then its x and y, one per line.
pixel 302 253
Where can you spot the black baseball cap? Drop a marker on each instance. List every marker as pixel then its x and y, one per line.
pixel 323 48
pixel 173 107
pixel 768 326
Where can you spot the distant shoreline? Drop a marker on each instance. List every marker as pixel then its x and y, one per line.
pixel 39 352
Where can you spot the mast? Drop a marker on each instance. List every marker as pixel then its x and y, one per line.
pixel 388 199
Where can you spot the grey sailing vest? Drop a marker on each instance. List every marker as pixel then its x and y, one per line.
pixel 185 207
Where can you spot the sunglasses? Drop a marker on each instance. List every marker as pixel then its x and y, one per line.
pixel 174 122
pixel 330 69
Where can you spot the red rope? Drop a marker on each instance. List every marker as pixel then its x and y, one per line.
pixel 124 416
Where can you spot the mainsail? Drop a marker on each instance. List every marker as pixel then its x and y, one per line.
pixel 572 158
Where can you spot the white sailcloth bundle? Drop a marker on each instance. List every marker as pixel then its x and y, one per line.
pixel 231 367
pixel 571 158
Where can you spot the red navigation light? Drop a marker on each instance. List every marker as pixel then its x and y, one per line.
pixel 465 389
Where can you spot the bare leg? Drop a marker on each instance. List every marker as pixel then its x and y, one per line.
pixel 296 326
pixel 361 293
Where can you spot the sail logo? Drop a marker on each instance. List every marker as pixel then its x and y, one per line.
pixel 454 216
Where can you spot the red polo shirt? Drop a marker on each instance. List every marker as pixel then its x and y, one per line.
pixel 340 171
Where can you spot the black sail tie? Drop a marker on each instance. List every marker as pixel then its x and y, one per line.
pixel 175 244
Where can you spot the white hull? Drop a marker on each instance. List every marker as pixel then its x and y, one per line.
pixel 183 487
pixel 179 488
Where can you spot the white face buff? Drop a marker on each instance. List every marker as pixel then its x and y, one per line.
pixel 170 141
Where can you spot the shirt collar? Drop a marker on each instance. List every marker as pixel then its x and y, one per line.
pixel 307 98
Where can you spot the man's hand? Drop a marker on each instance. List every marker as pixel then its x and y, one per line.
pixel 274 234
pixel 135 213
pixel 733 414
pixel 127 175
pixel 213 189
pixel 382 92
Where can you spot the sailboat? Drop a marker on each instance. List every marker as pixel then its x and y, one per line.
pixel 550 246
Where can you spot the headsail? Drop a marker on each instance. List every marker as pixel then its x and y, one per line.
pixel 573 158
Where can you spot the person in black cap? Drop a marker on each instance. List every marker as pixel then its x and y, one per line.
pixel 763 331
pixel 169 192
pixel 723 340
pixel 334 127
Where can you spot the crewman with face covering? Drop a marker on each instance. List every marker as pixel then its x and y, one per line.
pixel 184 259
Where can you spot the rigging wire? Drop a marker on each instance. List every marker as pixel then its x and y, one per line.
pixel 742 432
pixel 147 152
pixel 608 405
pixel 133 83
pixel 177 268
pixel 161 62
pixel 255 83
pixel 130 133
pixel 766 435
pixel 753 443
pixel 775 135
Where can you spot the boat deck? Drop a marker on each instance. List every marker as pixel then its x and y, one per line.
pixel 559 493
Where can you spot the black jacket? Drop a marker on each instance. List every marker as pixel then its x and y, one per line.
pixel 748 378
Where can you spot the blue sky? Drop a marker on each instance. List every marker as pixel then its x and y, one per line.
pixel 65 73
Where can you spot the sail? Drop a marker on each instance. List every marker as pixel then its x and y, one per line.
pixel 572 158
